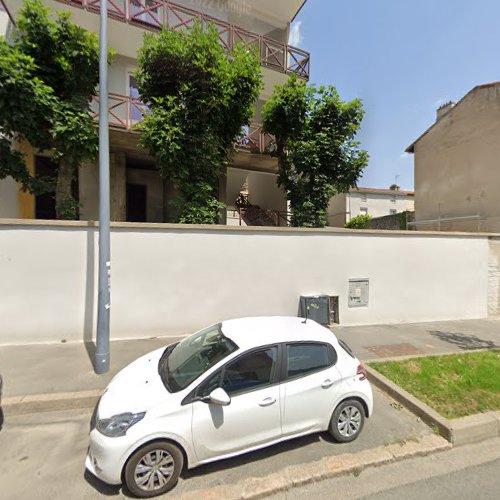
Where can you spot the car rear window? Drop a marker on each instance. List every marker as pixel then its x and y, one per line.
pixel 304 358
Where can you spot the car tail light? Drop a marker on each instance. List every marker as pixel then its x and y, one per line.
pixel 361 372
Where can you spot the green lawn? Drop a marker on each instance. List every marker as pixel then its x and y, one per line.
pixel 454 385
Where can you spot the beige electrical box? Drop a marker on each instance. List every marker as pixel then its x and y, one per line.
pixel 358 292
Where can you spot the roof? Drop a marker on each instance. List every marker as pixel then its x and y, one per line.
pixel 252 332
pixel 411 147
pixel 382 191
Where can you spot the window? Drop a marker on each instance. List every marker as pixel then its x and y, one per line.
pixel 364 197
pixel 307 358
pixel 45 204
pixel 364 210
pixel 137 108
pixel 393 199
pixel 393 211
pixel 250 372
pixel 194 356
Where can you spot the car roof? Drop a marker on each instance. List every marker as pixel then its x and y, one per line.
pixel 257 331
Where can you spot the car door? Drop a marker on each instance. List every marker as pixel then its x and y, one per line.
pixel 311 384
pixel 253 416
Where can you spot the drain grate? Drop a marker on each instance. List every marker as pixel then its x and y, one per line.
pixel 389 350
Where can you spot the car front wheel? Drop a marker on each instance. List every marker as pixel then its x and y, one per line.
pixel 347 421
pixel 153 469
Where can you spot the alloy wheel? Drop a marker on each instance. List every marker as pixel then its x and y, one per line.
pixel 349 421
pixel 154 470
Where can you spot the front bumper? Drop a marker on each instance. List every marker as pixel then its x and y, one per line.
pixel 106 457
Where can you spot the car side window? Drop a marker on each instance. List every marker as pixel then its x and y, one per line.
pixel 307 358
pixel 250 372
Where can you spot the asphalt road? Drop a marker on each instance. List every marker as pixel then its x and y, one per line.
pixel 42 455
pixel 465 473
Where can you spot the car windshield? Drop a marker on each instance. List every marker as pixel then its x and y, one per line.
pixel 184 362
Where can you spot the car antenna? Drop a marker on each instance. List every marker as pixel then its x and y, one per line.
pixel 307 310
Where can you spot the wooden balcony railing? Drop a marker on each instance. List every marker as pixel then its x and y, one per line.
pixel 126 112
pixel 154 14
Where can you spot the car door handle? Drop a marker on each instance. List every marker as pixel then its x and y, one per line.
pixel 267 402
pixel 327 383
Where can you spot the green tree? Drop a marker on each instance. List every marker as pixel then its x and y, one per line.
pixel 318 155
pixel 48 74
pixel 200 97
pixel 359 222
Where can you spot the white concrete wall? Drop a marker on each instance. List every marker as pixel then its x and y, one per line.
pixel 169 280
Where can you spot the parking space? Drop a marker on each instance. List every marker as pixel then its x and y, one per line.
pixel 45 453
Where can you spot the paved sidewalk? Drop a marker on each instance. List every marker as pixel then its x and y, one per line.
pixel 387 341
pixel 61 368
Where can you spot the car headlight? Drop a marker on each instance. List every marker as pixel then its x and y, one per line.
pixel 118 425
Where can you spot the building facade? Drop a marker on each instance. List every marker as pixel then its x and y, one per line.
pixel 138 194
pixel 457 165
pixel 368 201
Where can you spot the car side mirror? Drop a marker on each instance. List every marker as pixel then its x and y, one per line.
pixel 219 397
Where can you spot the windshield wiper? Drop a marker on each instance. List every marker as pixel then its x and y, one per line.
pixel 163 366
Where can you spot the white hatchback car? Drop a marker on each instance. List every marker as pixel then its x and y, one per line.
pixel 234 387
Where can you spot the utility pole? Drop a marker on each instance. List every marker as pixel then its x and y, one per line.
pixel 101 364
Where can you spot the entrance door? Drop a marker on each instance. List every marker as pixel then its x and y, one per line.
pixel 136 203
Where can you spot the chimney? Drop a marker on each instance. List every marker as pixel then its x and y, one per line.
pixel 442 110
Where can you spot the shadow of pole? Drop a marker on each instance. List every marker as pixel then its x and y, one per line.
pixel 88 322
pixel 465 342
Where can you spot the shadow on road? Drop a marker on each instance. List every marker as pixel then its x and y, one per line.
pixel 221 465
pixel 255 456
pixel 465 342
pixel 102 488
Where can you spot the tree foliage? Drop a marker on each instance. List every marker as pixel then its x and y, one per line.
pixel 316 146
pixel 200 97
pixel 361 221
pixel 48 74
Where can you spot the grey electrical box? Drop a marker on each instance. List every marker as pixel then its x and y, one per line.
pixel 358 293
pixel 317 308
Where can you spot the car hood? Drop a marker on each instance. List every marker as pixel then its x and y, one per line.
pixel 137 388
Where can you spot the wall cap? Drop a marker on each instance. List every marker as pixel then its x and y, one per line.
pixel 54 224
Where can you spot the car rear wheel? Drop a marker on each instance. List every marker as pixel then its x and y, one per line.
pixel 153 469
pixel 347 421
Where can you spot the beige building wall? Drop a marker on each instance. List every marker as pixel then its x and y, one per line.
pixel 338 210
pixel 4 21
pixel 457 166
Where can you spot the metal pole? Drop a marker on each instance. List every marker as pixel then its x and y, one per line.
pixel 103 305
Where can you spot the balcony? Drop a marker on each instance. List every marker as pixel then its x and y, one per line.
pixel 126 112
pixel 155 14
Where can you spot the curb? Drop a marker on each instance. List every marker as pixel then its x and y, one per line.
pixel 459 431
pixel 327 468
pixel 18 405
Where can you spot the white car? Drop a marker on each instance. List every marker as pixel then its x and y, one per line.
pixel 234 387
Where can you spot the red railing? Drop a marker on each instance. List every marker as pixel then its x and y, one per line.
pixel 256 216
pixel 154 14
pixel 126 112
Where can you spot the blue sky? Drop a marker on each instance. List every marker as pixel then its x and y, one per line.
pixel 403 58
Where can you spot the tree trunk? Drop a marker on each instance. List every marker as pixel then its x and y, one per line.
pixel 66 206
